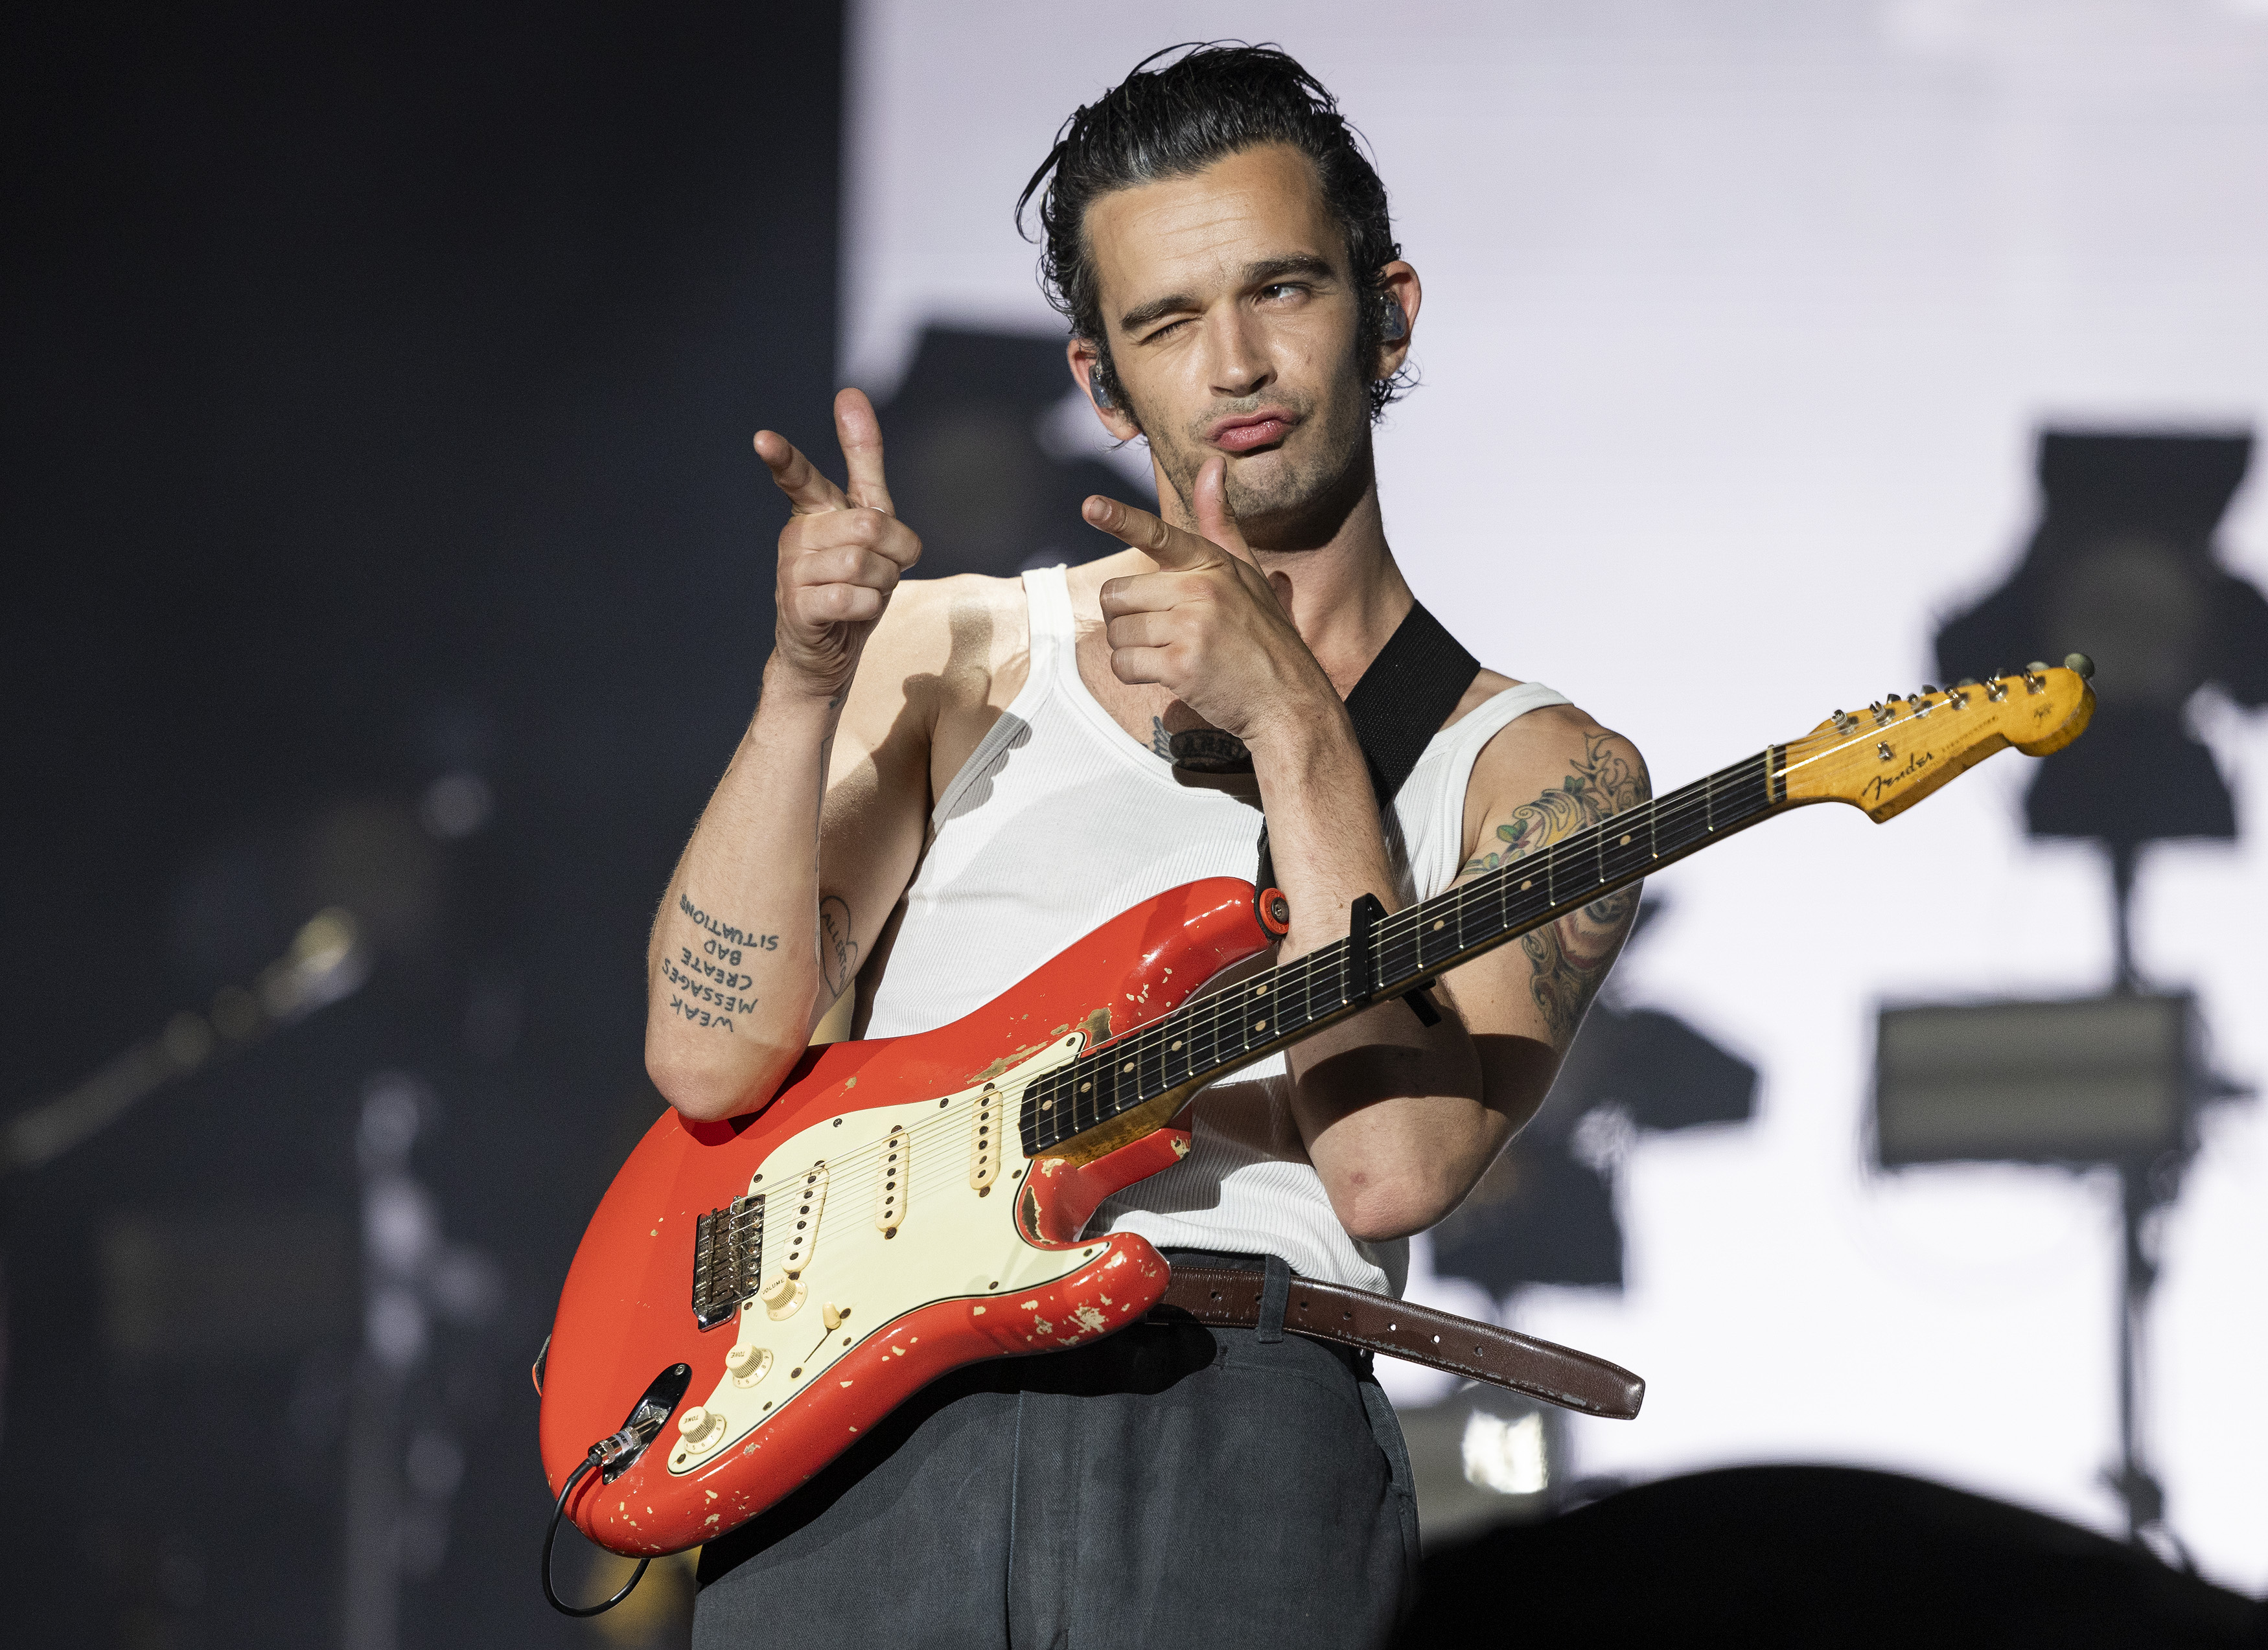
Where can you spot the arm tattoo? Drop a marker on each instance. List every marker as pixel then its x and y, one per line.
pixel 1569 958
pixel 838 952
pixel 1159 742
pixel 706 982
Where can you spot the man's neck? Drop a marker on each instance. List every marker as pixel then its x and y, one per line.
pixel 1345 591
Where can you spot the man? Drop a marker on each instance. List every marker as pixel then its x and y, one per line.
pixel 946 783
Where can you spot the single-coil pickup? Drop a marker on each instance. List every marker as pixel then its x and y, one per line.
pixel 803 1203
pixel 890 1182
pixel 984 1141
pixel 728 1257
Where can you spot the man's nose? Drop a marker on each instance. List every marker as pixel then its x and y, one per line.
pixel 1240 365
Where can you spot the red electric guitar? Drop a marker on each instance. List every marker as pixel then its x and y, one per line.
pixel 754 1293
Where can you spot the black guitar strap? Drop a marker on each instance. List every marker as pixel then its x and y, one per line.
pixel 1399 705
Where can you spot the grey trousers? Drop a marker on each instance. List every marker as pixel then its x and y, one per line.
pixel 1172 1485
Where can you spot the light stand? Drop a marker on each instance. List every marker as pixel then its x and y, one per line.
pixel 2111 1082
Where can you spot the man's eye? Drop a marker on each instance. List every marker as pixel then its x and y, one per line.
pixel 1170 326
pixel 1282 288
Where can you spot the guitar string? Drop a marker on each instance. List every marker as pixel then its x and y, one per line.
pixel 920 1180
pixel 1676 809
pixel 1202 1022
pixel 1400 928
pixel 1224 1004
pixel 1407 926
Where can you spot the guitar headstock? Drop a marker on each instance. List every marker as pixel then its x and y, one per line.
pixel 1889 756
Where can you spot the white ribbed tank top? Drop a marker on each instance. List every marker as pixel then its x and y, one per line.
pixel 1058 821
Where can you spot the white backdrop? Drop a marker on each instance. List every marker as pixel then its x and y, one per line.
pixel 1739 318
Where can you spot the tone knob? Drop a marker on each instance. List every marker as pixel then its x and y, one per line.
pixel 741 1360
pixel 695 1421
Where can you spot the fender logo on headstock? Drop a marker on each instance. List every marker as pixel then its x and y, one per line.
pixel 1883 784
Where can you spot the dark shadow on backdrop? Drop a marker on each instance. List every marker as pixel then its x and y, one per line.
pixel 1544 1212
pixel 970 466
pixel 382 528
pixel 2124 568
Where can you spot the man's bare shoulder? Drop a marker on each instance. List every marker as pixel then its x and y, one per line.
pixel 951 630
pixel 1558 752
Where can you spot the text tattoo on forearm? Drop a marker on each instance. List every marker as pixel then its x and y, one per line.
pixel 709 983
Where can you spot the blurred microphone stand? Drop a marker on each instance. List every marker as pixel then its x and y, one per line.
pixel 328 962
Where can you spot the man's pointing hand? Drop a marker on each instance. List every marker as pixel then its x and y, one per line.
pixel 1208 624
pixel 841 553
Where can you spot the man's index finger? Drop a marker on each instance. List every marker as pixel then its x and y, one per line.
pixel 809 492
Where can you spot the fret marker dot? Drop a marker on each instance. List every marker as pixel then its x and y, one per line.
pixel 1129 1065
pixel 1440 923
pixel 1626 842
pixel 1260 1025
pixel 1177 1044
pixel 1525 886
pixel 1084 1087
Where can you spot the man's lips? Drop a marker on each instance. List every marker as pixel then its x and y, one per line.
pixel 1255 430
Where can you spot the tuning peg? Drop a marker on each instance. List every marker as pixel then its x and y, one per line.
pixel 1995 689
pixel 2079 665
pixel 1881 713
pixel 1845 725
pixel 1929 687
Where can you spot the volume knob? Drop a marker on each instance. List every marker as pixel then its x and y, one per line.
pixel 783 1295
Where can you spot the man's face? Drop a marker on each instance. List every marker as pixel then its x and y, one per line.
pixel 1232 323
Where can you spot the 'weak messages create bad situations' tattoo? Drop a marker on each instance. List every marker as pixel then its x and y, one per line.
pixel 1571 956
pixel 706 982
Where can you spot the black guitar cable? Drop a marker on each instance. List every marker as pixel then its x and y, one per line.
pixel 635 1436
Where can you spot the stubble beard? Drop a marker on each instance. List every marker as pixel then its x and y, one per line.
pixel 1295 496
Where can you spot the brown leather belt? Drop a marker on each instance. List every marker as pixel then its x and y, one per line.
pixel 1378 1323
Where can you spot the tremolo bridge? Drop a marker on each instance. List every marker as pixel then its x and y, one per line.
pixel 728 1259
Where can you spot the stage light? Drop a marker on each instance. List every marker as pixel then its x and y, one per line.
pixel 1507 1456
pixel 2102 1079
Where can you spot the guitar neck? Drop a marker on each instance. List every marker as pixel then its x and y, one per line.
pixel 1210 1037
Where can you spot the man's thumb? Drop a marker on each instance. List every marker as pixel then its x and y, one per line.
pixel 1215 520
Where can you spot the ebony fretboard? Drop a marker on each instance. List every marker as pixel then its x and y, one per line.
pixel 1210 1037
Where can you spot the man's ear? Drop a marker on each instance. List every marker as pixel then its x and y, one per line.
pixel 1402 287
pixel 1085 361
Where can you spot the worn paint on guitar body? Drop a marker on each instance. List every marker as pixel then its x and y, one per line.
pixel 924 1260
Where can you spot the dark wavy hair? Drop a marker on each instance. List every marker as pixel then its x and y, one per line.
pixel 1216 100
